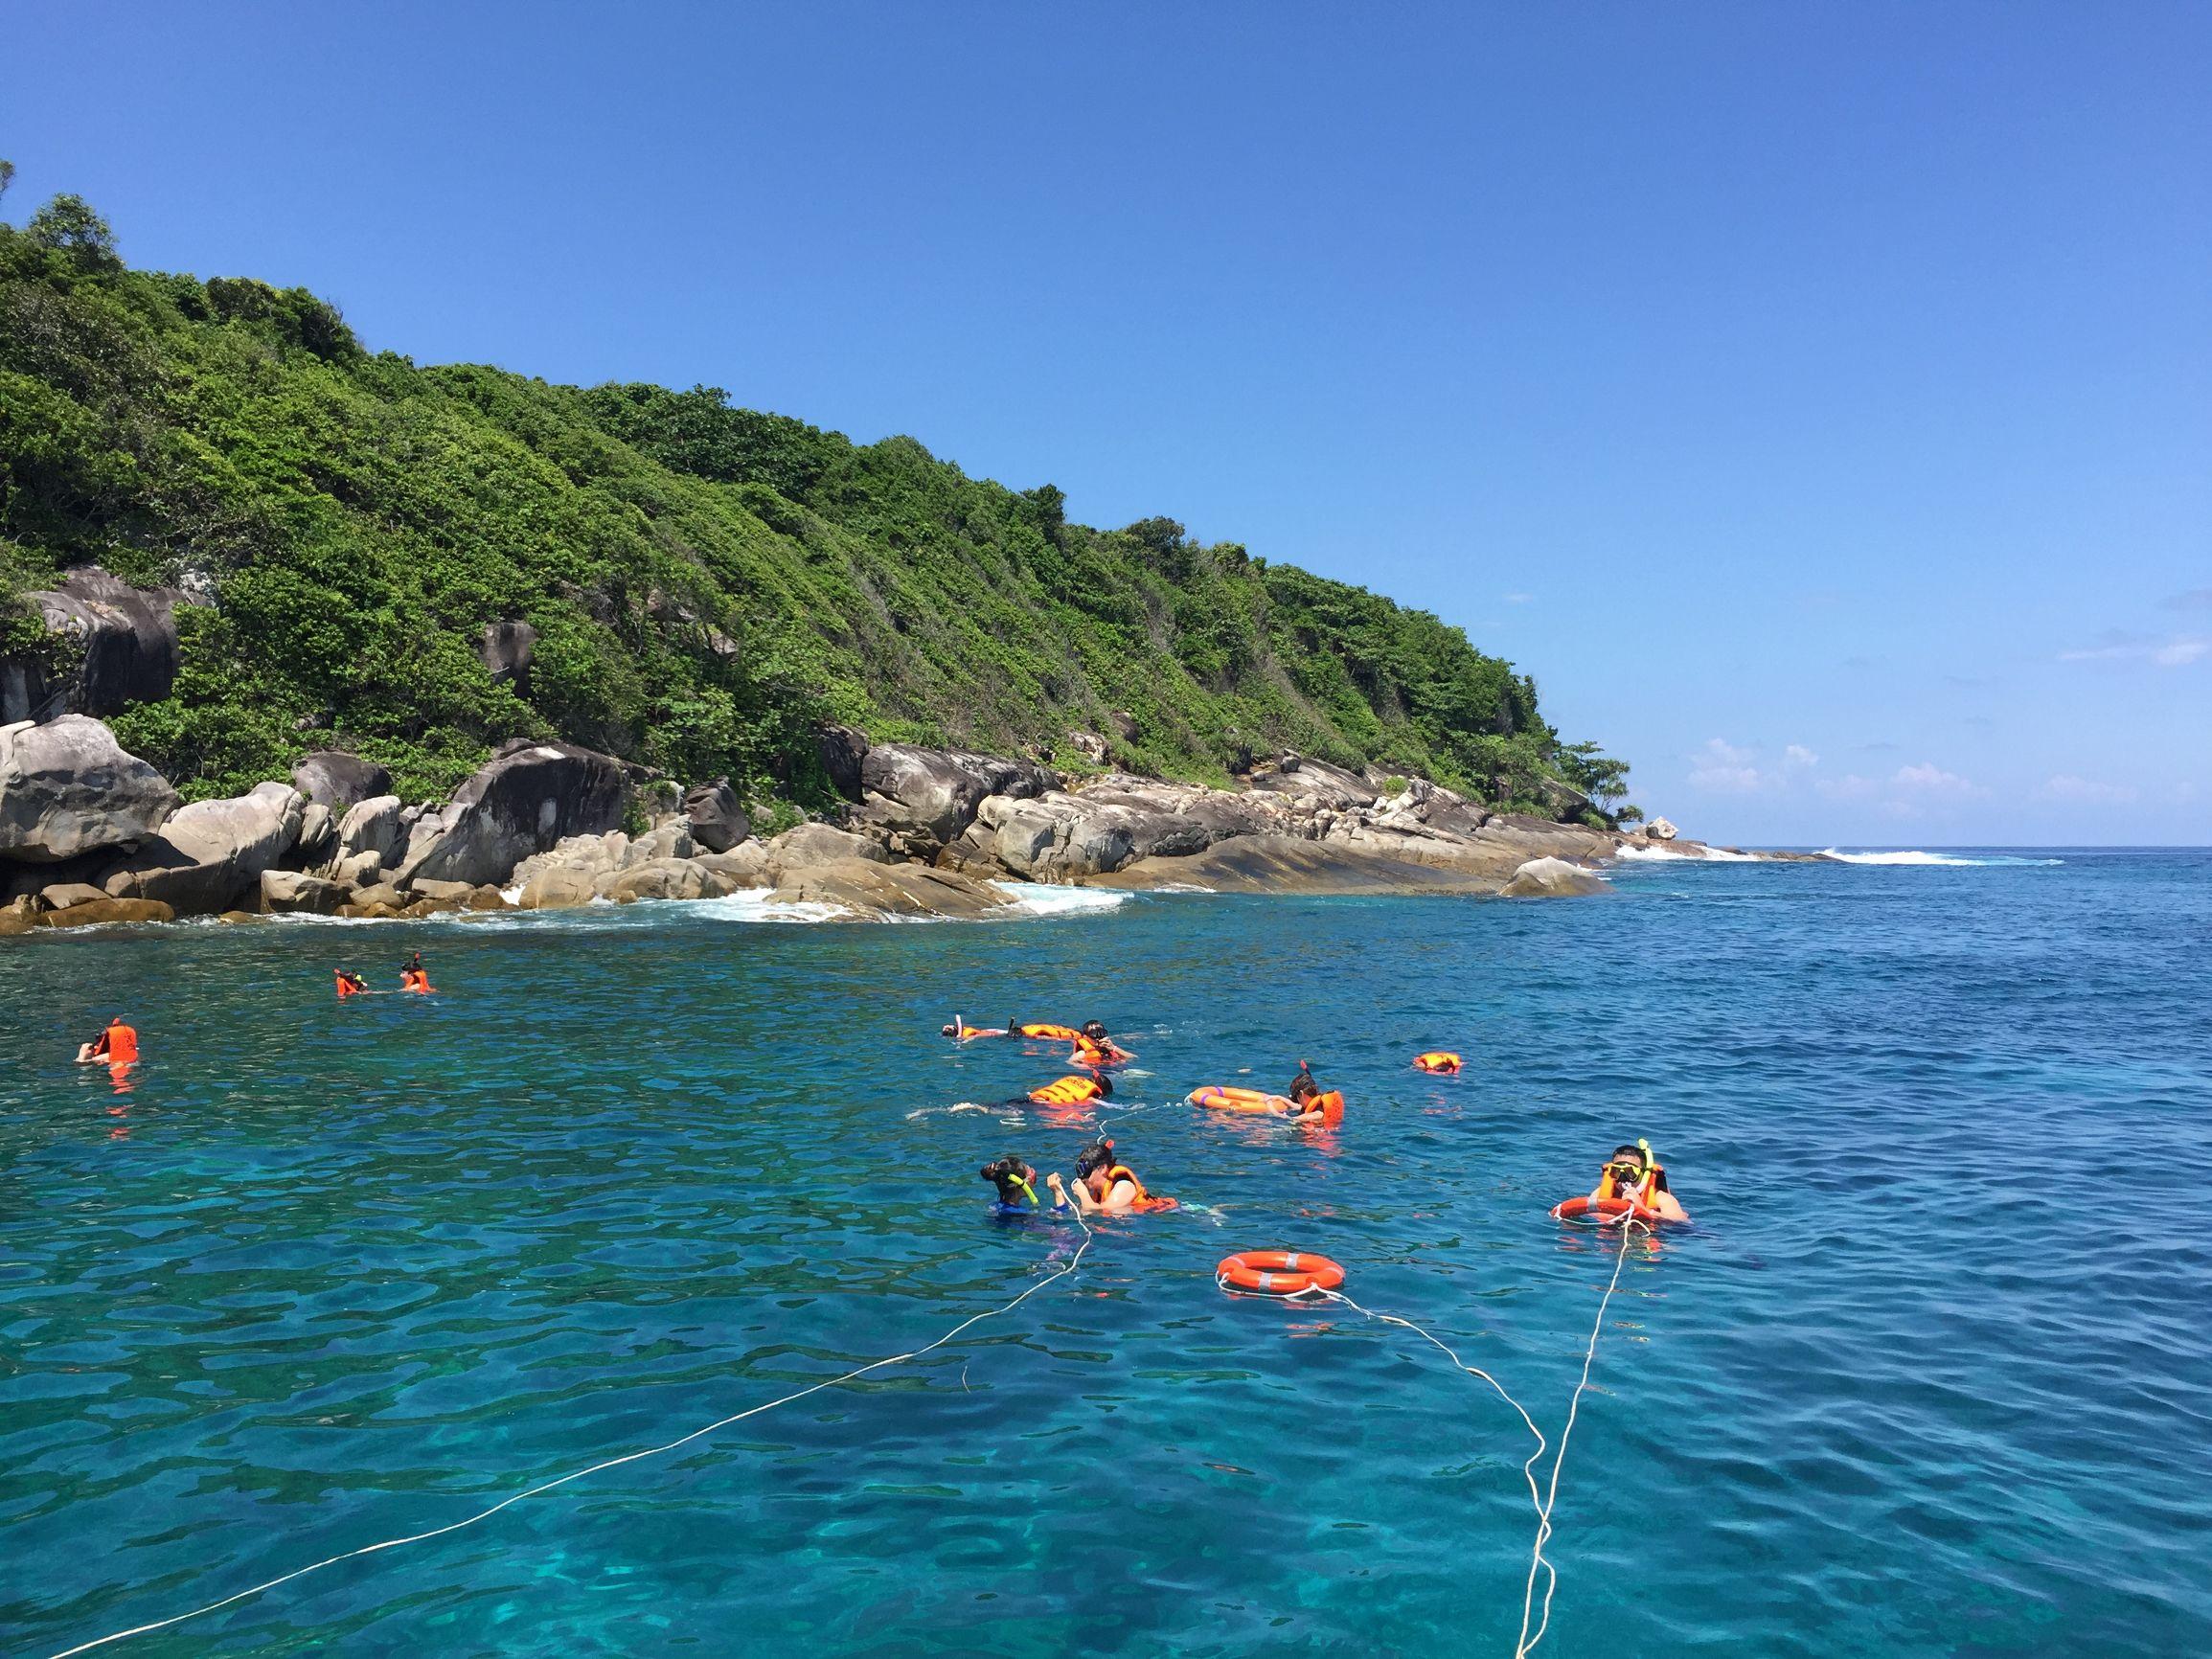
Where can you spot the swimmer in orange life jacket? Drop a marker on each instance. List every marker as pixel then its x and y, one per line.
pixel 1304 1092
pixel 1106 1187
pixel 117 1046
pixel 1094 1049
pixel 1069 1091
pixel 1631 1173
pixel 350 983
pixel 415 977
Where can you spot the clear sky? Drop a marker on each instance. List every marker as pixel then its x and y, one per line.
pixel 1815 398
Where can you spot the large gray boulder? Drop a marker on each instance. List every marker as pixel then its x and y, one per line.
pixel 528 798
pixel 558 887
pixel 935 792
pixel 1553 879
pixel 842 750
pixel 1329 786
pixel 810 845
pixel 210 855
pixel 371 826
pixel 1661 830
pixel 1061 837
pixel 657 878
pixel 289 892
pixel 864 891
pixel 718 822
pixel 67 789
pixel 339 781
pixel 126 638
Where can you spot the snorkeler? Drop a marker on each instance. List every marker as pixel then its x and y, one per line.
pixel 415 977
pixel 1017 1184
pixel 1632 1174
pixel 1104 1187
pixel 1094 1049
pixel 350 983
pixel 1069 1091
pixel 1304 1092
pixel 116 1045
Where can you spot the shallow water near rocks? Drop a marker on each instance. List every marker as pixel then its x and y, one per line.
pixel 1927 1376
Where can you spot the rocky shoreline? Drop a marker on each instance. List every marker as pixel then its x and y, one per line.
pixel 91 834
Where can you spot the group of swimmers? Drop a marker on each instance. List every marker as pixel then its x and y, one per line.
pixel 412 977
pixel 1104 1184
pixel 116 1046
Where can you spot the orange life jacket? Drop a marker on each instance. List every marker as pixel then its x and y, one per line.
pixel 1066 1034
pixel 1640 1195
pixel 1067 1092
pixel 348 988
pixel 1446 1064
pixel 414 979
pixel 121 1045
pixel 1146 1204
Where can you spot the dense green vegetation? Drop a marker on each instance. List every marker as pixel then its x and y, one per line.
pixel 709 583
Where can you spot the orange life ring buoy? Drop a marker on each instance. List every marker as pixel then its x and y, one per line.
pixel 1278 1273
pixel 1442 1062
pixel 1592 1211
pixel 1217 1097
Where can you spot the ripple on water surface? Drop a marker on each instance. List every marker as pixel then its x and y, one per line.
pixel 1927 1376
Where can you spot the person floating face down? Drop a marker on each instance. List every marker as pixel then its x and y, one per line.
pixel 117 1046
pixel 350 983
pixel 1105 1186
pixel 1631 1173
pixel 1069 1091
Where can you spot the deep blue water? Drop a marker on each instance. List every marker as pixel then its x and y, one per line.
pixel 1927 1375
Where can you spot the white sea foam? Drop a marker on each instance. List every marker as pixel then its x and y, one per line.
pixel 1951 860
pixel 1667 855
pixel 1037 898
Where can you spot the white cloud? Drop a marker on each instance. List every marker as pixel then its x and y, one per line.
pixel 1933 781
pixel 1798 755
pixel 1851 786
pixel 1721 765
pixel 2065 787
pixel 2113 646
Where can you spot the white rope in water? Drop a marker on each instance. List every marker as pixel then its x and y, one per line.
pixel 543 1487
pixel 1546 1501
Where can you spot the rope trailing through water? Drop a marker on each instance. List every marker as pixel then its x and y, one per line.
pixel 1547 1500
pixel 600 1467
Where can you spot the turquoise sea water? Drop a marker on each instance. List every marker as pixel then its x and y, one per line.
pixel 1927 1375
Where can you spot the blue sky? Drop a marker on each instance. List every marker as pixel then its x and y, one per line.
pixel 1816 399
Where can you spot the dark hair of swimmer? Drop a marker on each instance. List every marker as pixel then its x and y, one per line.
pixel 1012 1178
pixel 1095 1030
pixel 1628 1155
pixel 1093 1158
pixel 1106 1085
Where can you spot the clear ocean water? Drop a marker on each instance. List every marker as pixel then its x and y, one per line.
pixel 1927 1375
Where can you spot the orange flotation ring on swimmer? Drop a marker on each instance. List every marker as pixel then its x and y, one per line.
pixel 1278 1273
pixel 1221 1097
pixel 1442 1064
pixel 1326 1109
pixel 1588 1211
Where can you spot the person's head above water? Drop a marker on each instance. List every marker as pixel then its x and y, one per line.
pixel 1093 1028
pixel 1014 1178
pixel 1093 1158
pixel 1630 1161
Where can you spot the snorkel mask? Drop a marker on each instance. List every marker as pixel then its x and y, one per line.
pixel 1093 1158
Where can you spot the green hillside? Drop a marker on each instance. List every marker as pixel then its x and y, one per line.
pixel 709 583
